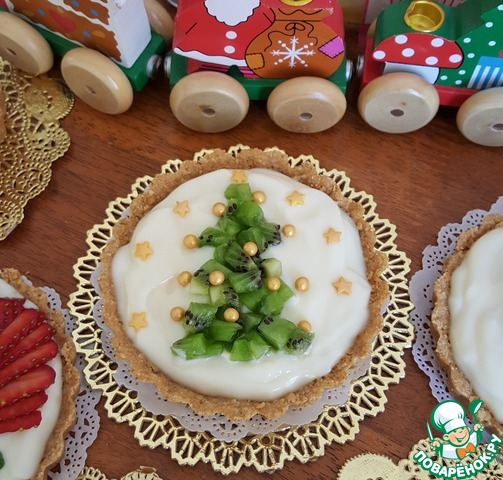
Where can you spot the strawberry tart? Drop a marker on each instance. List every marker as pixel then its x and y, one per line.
pixel 467 319
pixel 38 382
pixel 241 285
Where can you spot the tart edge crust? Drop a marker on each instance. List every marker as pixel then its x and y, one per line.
pixel 440 319
pixel 55 446
pixel 234 409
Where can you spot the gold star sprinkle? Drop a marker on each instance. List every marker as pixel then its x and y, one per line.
pixel 295 198
pixel 143 250
pixel 342 286
pixel 332 236
pixel 138 321
pixel 182 208
pixel 239 176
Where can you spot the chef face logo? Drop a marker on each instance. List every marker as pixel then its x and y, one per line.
pixel 458 442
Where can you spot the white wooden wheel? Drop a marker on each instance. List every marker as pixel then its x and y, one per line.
pixel 97 81
pixel 159 19
pixel 23 46
pixel 398 103
pixel 480 118
pixel 209 102
pixel 306 104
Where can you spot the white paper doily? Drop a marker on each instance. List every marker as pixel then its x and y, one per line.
pixel 421 292
pixel 87 424
pixel 218 426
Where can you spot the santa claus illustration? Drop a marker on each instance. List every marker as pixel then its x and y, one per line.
pixel 218 31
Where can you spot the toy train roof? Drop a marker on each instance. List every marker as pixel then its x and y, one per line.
pixel 458 21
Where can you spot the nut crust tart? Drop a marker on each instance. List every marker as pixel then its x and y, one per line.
pixel 65 413
pixel 196 180
pixel 467 320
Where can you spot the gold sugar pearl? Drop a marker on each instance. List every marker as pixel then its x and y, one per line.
pixel 184 278
pixel 231 315
pixel 302 284
pixel 216 277
pixel 289 231
pixel 190 241
pixel 219 209
pixel 273 284
pixel 305 325
pixel 250 248
pixel 259 197
pixel 177 314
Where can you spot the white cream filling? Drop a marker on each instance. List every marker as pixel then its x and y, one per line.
pixel 476 310
pixel 23 450
pixel 151 285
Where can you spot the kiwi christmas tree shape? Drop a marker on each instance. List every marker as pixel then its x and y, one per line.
pixel 237 295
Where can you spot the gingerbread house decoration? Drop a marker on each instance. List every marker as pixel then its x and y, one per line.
pixel 117 28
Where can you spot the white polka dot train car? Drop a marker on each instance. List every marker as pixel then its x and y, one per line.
pixel 421 54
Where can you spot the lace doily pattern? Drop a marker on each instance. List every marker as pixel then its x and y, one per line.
pixel 368 466
pixel 35 139
pixel 421 294
pixel 268 450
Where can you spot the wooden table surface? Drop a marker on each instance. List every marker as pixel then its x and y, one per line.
pixel 420 182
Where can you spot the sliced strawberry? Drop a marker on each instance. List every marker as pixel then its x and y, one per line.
pixel 10 308
pixel 23 407
pixel 31 360
pixel 39 336
pixel 28 384
pixel 27 321
pixel 21 423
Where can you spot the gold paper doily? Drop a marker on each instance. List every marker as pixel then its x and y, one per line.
pixel 34 139
pixel 264 452
pixel 368 466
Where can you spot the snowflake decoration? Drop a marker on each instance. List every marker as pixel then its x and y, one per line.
pixel 293 53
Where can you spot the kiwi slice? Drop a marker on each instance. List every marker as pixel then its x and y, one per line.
pixel 276 330
pixel 237 260
pixel 271 267
pixel 228 226
pixel 223 331
pixel 250 321
pixel 271 232
pixel 198 316
pixel 260 327
pixel 298 341
pixel 255 235
pixel 258 345
pixel 249 214
pixel 241 351
pixel 274 302
pixel 213 237
pixel 246 281
pixel 196 345
pixel 238 192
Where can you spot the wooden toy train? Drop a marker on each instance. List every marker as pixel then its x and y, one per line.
pixel 419 54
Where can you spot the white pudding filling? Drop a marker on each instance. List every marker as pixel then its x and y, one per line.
pixel 149 285
pixel 476 311
pixel 23 450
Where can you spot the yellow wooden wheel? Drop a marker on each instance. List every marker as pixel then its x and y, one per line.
pixel 306 104
pixel 23 46
pixel 159 19
pixel 480 118
pixel 398 103
pixel 209 102
pixel 97 81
